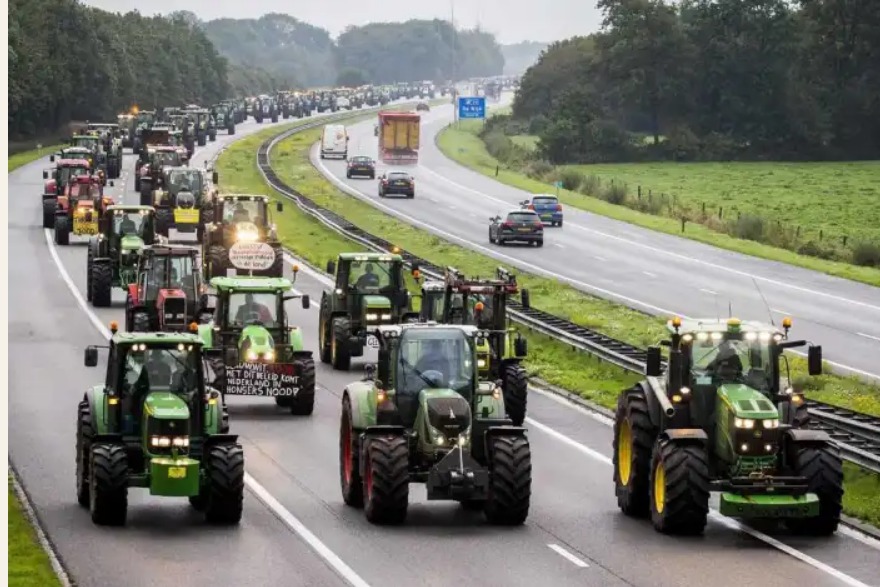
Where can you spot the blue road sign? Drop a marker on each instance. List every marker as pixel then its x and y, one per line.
pixel 474 107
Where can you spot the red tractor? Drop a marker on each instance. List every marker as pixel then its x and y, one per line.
pixel 79 208
pixel 56 180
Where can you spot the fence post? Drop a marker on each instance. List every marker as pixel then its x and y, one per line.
pixel 683 222
pixel 720 212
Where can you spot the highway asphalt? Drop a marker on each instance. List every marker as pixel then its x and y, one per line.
pixel 649 271
pixel 295 530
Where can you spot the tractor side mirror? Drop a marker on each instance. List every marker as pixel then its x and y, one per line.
pixel 306 302
pixel 653 362
pixel 45 174
pixel 215 178
pixel 91 356
pixel 331 267
pixel 111 183
pixel 525 299
pixel 279 206
pixel 51 158
pixel 369 372
pixel 814 360
pixel 520 347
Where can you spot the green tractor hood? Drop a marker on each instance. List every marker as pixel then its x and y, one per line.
pixel 164 405
pixel 255 342
pixel 131 242
pixel 447 417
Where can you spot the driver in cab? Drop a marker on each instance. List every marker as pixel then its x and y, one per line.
pixel 251 308
pixel 369 279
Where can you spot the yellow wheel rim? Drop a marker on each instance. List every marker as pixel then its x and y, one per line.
pixel 624 453
pixel 659 488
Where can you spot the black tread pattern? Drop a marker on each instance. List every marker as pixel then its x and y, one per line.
pixel 102 285
pixel 219 369
pixel 510 480
pixel 62 230
pixel 632 406
pixel 108 490
pixel 217 261
pixel 90 255
pixel 353 492
pixel 49 213
pixel 324 331
pixel 340 357
pixel 515 387
pixel 304 403
pixel 84 433
pixel 224 489
pixel 164 219
pixel 824 472
pixel 687 488
pixel 388 461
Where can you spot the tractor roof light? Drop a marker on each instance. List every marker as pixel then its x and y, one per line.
pixel 676 322
pixel 193 327
pixel 786 322
pixel 114 326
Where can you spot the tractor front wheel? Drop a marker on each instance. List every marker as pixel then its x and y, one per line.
pixel 824 472
pixel 49 213
pixel 632 446
pixel 510 480
pixel 84 432
pixel 324 342
pixel 349 473
pixel 386 479
pixel 224 489
pixel 108 484
pixel 62 230
pixel 339 351
pixel 679 488
pixel 164 220
pixel 102 285
pixel 303 404
pixel 90 256
pixel 515 386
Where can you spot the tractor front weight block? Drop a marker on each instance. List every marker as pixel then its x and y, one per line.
pixel 769 506
pixel 458 477
pixel 174 477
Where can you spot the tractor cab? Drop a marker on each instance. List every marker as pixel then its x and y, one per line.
pixel 114 254
pixel 168 293
pixel 79 208
pixel 242 222
pixel 65 170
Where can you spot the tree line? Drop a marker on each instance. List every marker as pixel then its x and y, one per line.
pixel 710 80
pixel 72 62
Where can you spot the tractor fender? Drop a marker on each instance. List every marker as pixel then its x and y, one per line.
pixel 301 355
pixel 94 397
pixel 218 439
pixel 101 261
pixel 685 436
pixel 50 187
pixel 206 333
pixel 363 405
pixel 296 339
pixel 107 438
pixel 807 436
pixel 505 430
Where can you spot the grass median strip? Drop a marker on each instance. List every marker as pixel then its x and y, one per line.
pixel 25 157
pixel 29 565
pixel 549 359
pixel 704 182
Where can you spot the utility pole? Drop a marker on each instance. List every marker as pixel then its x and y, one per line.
pixel 454 87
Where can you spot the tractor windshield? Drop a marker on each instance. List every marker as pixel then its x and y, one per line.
pixel 253 308
pixel 151 368
pixel 748 362
pixel 129 223
pixel 245 211
pixel 184 180
pixel 439 358
pixel 172 272
pixel 169 158
pixel 66 172
pixel 372 276
pixel 87 142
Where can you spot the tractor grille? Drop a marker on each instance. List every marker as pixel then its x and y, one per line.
pixel 449 415
pixel 168 428
pixel 174 313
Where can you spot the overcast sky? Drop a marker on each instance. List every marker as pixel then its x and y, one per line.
pixel 510 20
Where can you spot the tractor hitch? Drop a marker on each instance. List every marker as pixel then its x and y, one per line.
pixel 458 476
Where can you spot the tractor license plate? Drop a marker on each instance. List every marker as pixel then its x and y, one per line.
pixel 186 216
pixel 85 227
pixel 372 341
pixel 176 472
pixel 525 229
pixel 546 216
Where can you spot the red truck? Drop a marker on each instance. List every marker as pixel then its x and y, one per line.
pixel 399 137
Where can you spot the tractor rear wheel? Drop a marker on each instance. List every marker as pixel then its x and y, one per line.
pixel 108 484
pixel 515 386
pixel 304 402
pixel 217 261
pixel 349 473
pixel 219 369
pixel 102 285
pixel 632 446
pixel 146 192
pixel 679 488
pixel 510 480
pixel 277 268
pixel 84 432
pixel 324 337
pixel 224 489
pixel 164 219
pixel 90 255
pixel 340 334
pixel 824 472
pixel 386 479
pixel 62 230
pixel 49 213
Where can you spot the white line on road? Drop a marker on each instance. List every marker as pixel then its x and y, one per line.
pixel 778 311
pixel 649 274
pixel 871 336
pixel 708 291
pixel 560 245
pixel 598 258
pixel 568 556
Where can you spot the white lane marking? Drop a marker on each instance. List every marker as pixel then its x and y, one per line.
pixel 778 311
pixel 568 556
pixel 281 512
pixel 871 336
pixel 598 258
pixel 729 522
pixel 560 245
pixel 708 291
pixel 673 254
pixel 649 274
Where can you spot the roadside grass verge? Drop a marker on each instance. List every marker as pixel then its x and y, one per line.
pixel 861 498
pixel 799 194
pixel 551 360
pixel 25 157
pixel 29 565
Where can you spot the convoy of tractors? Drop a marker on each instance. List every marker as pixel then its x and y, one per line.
pixel 445 402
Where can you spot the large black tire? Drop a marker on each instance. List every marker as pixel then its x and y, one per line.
pixel 324 337
pixel 632 428
pixel 140 322
pixel 224 487
pixel 219 369
pixel 102 285
pixel 799 416
pixel 49 213
pixel 108 484
pixel 386 479
pixel 679 488
pixel 340 357
pixel 84 432
pixel 515 387
pixel 202 140
pixel 277 268
pixel 824 472
pixel 510 480
pixel 349 474
pixel 164 220
pixel 304 402
pixel 231 129
pixel 90 255
pixel 62 230
pixel 146 189
pixel 217 262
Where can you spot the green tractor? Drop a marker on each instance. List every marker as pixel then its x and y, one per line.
pixel 113 255
pixel 721 419
pixel 483 303
pixel 183 200
pixel 369 290
pixel 224 117
pixel 250 346
pixel 154 424
pixel 425 417
pixel 242 237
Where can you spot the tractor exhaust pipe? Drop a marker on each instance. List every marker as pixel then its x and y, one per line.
pixel 662 398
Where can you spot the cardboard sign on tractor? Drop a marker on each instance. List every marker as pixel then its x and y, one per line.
pixel 263 379
pixel 251 256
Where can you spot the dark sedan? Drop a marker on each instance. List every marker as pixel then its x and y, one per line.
pixel 397 182
pixel 522 226
pixel 362 166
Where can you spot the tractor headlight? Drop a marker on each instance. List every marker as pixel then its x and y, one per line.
pixel 386 316
pixel 771 423
pixel 372 317
pixel 744 423
pixel 481 363
pixel 246 236
pixel 180 441
pixel 251 356
pixel 439 439
pixel 160 441
pixel 269 355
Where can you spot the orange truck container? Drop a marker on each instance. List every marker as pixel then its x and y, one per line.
pixel 399 137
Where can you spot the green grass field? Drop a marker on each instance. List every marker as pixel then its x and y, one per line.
pixel 25 157
pixel 28 563
pixel 703 181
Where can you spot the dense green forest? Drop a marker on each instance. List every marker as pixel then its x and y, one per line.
pixel 710 79
pixel 70 62
pixel 518 57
